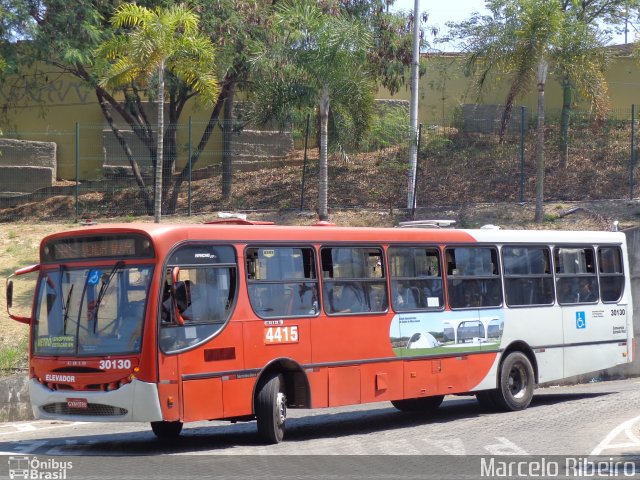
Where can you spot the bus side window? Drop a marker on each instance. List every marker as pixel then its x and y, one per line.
pixel 527 274
pixel 416 280
pixel 473 277
pixel 353 280
pixel 611 273
pixel 282 281
pixel 576 280
pixel 204 295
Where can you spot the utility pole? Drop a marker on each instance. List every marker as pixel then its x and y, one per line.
pixel 413 115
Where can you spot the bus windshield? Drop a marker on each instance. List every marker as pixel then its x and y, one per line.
pixel 91 311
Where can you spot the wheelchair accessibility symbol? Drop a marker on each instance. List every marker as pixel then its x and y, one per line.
pixel 581 320
pixel 94 277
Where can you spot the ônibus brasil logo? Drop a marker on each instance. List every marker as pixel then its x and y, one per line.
pixel 33 468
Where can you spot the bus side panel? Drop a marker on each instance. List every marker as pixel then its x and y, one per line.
pixel 421 378
pixel 355 337
pixel 466 372
pixel 344 386
pixel 169 388
pixel 587 325
pixel 382 381
pixel 585 359
pixel 169 394
pixel 319 384
pixel 202 399
pixel 550 364
pixel 453 375
pixel 237 396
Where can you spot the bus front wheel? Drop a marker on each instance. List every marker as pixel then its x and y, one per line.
pixel 271 409
pixel 166 430
pixel 424 404
pixel 515 390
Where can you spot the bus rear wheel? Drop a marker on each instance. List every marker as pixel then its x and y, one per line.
pixel 166 430
pixel 271 409
pixel 424 404
pixel 515 390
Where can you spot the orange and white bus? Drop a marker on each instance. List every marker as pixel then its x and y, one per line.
pixel 171 324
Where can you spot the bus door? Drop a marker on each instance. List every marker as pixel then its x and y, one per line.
pixel 594 316
pixel 577 293
pixel 199 294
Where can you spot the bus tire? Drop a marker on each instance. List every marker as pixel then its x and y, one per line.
pixel 485 399
pixel 515 389
pixel 271 409
pixel 166 430
pixel 424 404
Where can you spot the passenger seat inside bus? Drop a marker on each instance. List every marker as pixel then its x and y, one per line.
pixel 349 300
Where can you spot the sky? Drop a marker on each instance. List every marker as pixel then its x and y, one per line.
pixel 442 11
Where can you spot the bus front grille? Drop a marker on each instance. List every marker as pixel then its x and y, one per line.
pixel 92 410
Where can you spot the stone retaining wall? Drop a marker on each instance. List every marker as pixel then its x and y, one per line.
pixel 24 179
pixel 27 153
pixel 14 399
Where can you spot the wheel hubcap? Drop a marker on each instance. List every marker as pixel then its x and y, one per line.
pixel 281 405
pixel 518 381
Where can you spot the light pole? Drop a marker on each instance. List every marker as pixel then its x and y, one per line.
pixel 413 114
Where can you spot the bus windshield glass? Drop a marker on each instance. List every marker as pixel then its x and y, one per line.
pixel 91 311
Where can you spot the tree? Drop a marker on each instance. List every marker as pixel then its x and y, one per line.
pixel 582 59
pixel 499 45
pixel 243 27
pixel 158 40
pixel 519 40
pixel 64 34
pixel 318 58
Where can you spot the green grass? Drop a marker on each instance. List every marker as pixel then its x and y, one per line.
pixel 14 358
pixel 415 352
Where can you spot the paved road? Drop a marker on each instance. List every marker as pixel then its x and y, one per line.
pixel 592 419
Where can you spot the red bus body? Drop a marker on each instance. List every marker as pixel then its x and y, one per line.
pixel 321 360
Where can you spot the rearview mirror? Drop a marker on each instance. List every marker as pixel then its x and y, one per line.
pixel 17 318
pixel 9 294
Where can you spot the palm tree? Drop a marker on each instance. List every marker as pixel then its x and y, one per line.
pixel 318 58
pixel 153 43
pixel 580 65
pixel 518 42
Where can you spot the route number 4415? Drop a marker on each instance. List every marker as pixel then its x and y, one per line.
pixel 281 334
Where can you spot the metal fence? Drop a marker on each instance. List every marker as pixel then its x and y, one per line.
pixel 92 172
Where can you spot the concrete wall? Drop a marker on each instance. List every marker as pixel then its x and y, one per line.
pixel 445 86
pixel 14 399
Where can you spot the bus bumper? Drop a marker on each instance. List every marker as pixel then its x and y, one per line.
pixel 134 402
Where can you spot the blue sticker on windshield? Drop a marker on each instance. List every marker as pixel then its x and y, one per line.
pixel 94 277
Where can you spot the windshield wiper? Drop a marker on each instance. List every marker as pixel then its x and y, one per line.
pixel 103 291
pixel 67 302
pixel 65 309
